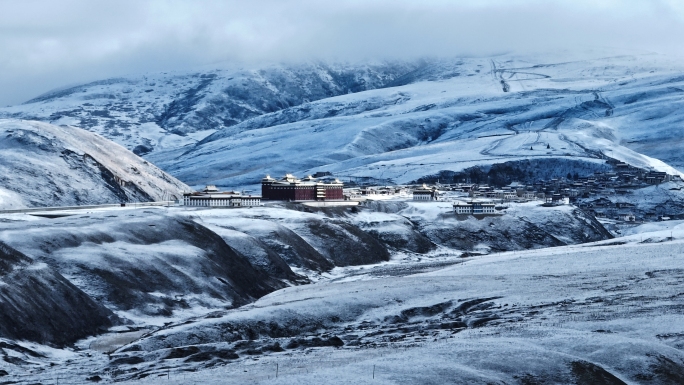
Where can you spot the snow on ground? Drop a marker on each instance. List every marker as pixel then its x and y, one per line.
pixel 656 196
pixel 653 227
pixel 579 313
pixel 612 306
pixel 663 200
pixel 576 314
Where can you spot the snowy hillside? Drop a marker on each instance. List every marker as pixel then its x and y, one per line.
pixel 522 226
pixel 47 165
pixel 155 265
pixel 596 314
pixel 142 263
pixel 627 108
pixel 39 304
pixel 397 121
pixel 168 110
pixel 606 312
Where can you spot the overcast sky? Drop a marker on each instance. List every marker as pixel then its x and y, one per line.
pixel 52 43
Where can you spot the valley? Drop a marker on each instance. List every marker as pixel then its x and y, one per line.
pixel 106 277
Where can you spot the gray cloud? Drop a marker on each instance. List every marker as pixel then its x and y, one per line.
pixel 52 43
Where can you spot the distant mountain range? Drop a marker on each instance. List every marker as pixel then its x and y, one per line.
pixel 394 121
pixel 166 109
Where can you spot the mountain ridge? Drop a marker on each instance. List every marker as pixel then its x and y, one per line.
pixel 47 165
pixel 230 127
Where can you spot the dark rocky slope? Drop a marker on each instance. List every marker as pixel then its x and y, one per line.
pixel 289 246
pixel 345 244
pixel 146 263
pixel 410 227
pixel 316 240
pixel 38 304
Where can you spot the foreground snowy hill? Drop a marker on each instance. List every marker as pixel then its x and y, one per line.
pixel 47 165
pixel 39 304
pixel 152 266
pixel 599 313
pixel 595 314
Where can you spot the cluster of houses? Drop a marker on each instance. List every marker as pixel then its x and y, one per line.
pixel 418 193
pixel 605 208
pixel 620 181
pixel 624 211
pixel 481 198
pixel 375 192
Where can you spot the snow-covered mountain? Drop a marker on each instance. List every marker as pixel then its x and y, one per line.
pixel 46 165
pixel 534 295
pixel 498 110
pixel 398 121
pixel 171 109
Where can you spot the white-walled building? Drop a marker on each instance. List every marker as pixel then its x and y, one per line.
pixel 506 195
pixel 212 197
pixel 425 193
pixel 557 199
pixel 474 208
pixel 529 195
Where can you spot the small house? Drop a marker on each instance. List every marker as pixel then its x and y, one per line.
pixel 425 193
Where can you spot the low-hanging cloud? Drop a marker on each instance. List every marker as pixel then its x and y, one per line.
pixel 52 43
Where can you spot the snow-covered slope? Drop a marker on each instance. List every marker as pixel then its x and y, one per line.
pixel 170 109
pixel 579 111
pixel 143 263
pixel 39 304
pixel 547 316
pixel 603 313
pixel 46 165
pixel 398 121
pixel 153 265
pixel 522 226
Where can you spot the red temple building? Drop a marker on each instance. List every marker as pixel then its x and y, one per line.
pixel 290 188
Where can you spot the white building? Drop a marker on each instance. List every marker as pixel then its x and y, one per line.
pixel 463 208
pixel 474 208
pixel 504 194
pixel 425 193
pixel 212 197
pixel 529 195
